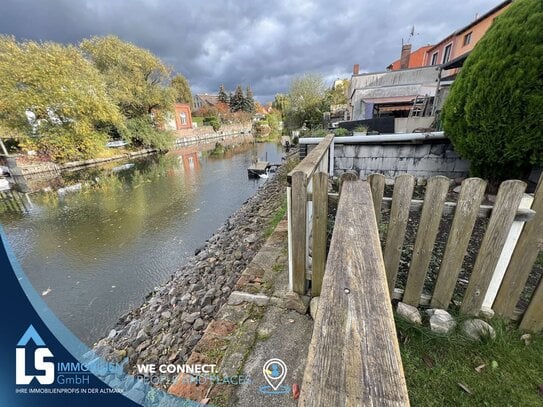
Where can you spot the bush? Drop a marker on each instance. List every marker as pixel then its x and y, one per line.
pixel 341 132
pixel 493 113
pixel 213 122
pixel 141 131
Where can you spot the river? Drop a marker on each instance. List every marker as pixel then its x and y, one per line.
pixel 95 253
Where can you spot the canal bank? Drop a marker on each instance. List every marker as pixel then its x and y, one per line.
pixel 173 318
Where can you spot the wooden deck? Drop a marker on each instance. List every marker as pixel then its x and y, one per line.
pixel 258 168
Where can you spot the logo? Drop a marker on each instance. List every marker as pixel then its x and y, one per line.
pixel 275 372
pixel 40 354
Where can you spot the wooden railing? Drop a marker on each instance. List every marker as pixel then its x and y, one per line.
pixel 354 358
pixel 307 206
pixel 505 258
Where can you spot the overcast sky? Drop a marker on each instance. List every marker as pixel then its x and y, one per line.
pixel 263 44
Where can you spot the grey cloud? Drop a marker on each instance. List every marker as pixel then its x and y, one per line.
pixel 259 43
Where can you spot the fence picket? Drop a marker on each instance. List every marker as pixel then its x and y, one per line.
pixel 299 216
pixel 320 222
pixel 533 317
pixel 507 202
pixel 399 215
pixel 467 208
pixel 434 200
pixel 522 261
pixel 377 183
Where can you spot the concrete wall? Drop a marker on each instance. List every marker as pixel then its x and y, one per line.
pixel 391 159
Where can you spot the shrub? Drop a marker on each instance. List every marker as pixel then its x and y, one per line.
pixel 341 132
pixel 493 113
pixel 142 132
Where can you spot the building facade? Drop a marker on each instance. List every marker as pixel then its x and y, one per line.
pixel 462 41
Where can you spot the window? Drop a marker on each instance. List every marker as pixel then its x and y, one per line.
pixel 447 53
pixel 467 38
pixel 183 118
pixel 434 58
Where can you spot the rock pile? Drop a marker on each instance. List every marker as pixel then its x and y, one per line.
pixel 165 328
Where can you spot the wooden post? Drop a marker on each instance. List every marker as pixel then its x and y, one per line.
pixel 377 183
pixel 434 200
pixel 320 223
pixel 505 209
pixel 399 215
pixel 522 261
pixel 465 215
pixel 346 176
pixel 533 317
pixel 299 238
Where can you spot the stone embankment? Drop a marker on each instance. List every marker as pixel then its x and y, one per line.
pixel 171 321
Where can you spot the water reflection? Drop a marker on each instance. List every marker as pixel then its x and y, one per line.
pixel 99 250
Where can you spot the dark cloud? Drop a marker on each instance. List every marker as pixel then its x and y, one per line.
pixel 259 43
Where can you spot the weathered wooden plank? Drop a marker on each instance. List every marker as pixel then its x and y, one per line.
pixel 471 196
pixel 346 176
pixel 507 202
pixel 310 163
pixel 533 318
pixel 377 183
pixel 320 223
pixel 399 215
pixel 434 199
pixel 299 230
pixel 522 262
pixel 485 211
pixel 354 357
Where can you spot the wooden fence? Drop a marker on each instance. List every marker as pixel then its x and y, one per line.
pixel 307 207
pixel 505 258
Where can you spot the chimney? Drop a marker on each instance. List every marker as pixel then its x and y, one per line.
pixel 356 69
pixel 404 58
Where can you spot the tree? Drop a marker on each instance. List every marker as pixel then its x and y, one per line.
pixel 53 96
pixel 223 97
pixel 280 102
pixel 248 101
pixel 493 112
pixel 237 101
pixel 181 89
pixel 137 80
pixel 306 100
pixel 338 93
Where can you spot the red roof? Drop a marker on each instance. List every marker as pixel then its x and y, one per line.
pixel 416 59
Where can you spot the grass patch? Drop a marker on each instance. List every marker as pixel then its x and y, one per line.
pixel 277 217
pixel 435 365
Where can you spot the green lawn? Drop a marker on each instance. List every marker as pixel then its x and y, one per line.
pixel 436 368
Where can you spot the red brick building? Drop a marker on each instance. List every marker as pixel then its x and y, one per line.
pixel 409 59
pixel 183 118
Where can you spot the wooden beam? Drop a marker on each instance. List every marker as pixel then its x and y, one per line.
pixel 471 195
pixel 434 199
pixel 507 203
pixel 354 357
pixel 399 215
pixel 377 183
pixel 310 163
pixel 522 262
pixel 320 225
pixel 299 230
